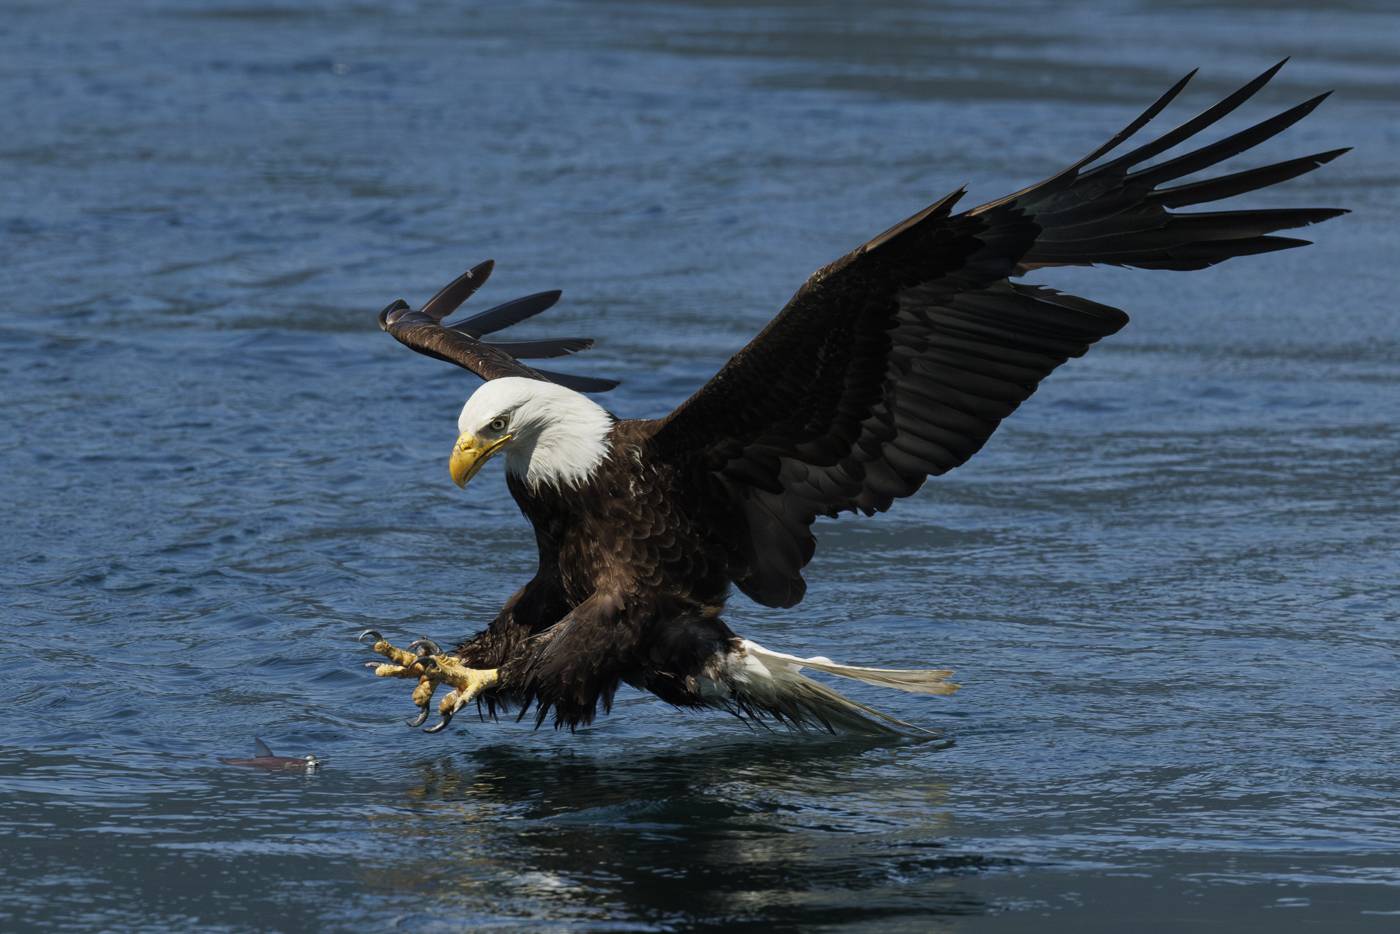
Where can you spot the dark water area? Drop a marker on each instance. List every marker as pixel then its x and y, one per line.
pixel 1170 584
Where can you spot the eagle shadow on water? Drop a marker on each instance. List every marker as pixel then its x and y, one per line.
pixel 892 364
pixel 720 831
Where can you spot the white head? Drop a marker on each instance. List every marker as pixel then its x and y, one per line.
pixel 552 436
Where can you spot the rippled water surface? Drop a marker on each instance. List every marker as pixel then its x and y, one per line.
pixel 1169 584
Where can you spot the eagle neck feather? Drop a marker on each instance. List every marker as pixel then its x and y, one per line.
pixel 566 448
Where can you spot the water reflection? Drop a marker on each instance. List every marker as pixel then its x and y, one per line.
pixel 794 833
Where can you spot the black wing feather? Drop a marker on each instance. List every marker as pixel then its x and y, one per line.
pixel 899 360
pixel 1238 183
pixel 508 313
pixel 460 344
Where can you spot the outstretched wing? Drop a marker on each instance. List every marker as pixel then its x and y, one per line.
pixel 899 360
pixel 461 342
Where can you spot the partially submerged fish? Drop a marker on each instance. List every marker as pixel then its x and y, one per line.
pixel 266 760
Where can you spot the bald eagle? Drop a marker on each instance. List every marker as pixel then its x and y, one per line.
pixel 892 364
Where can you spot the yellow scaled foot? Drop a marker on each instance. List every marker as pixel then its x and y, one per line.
pixel 431 667
pixel 468 683
pixel 404 664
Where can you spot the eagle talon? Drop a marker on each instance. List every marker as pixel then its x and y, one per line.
pixel 370 632
pixel 422 696
pixel 440 725
pixel 425 646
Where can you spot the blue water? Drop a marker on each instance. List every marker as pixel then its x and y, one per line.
pixel 1169 584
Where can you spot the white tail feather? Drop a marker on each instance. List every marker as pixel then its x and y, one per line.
pixel 772 682
pixel 913 680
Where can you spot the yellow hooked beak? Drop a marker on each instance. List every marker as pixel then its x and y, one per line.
pixel 469 453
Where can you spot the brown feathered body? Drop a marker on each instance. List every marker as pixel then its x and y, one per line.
pixel 639 568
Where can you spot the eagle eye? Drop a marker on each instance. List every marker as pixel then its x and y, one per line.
pixel 497 424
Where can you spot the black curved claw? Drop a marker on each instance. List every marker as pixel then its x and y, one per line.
pixel 421 718
pixel 369 632
pixel 440 725
pixel 427 661
pixel 425 646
